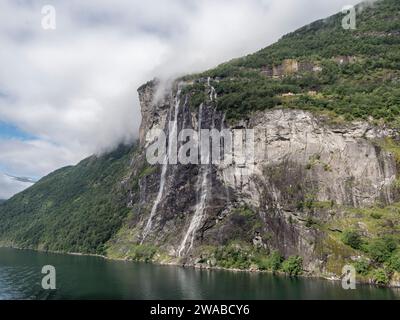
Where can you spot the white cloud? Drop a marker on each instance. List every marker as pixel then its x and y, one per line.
pixel 33 158
pixel 75 88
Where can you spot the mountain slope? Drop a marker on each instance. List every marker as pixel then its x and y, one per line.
pixel 321 67
pixel 74 209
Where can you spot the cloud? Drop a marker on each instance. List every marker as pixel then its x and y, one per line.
pixel 74 88
pixel 33 158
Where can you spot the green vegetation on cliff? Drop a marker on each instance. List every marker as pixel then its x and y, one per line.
pixel 371 237
pixel 320 67
pixel 74 209
pixel 241 256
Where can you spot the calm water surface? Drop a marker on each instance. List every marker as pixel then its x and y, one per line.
pixel 81 277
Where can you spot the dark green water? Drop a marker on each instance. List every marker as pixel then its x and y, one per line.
pixel 80 277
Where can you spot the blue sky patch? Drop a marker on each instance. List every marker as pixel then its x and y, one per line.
pixel 10 131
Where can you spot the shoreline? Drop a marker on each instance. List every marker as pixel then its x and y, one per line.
pixel 200 267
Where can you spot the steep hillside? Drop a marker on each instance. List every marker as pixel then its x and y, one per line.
pixel 74 209
pixel 321 67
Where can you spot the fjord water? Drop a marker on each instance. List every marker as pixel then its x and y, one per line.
pixel 84 277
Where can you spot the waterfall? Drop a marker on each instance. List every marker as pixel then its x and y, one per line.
pixel 202 188
pixel 147 229
pixel 203 184
pixel 198 214
pixel 213 93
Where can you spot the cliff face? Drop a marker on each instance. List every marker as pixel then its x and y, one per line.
pixel 321 187
pixel 308 172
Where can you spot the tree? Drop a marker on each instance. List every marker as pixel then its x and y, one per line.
pixel 394 261
pixel 352 238
pixel 293 265
pixel 380 277
pixel 362 267
pixel 380 250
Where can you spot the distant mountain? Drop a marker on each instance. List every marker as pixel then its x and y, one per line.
pixel 22 179
pixel 10 185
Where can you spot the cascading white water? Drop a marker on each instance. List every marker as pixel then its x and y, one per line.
pixel 198 214
pixel 213 93
pixel 148 226
pixel 204 189
pixel 200 206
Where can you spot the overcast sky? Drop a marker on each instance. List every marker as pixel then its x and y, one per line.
pixel 71 92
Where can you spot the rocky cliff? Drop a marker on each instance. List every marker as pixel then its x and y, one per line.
pixel 309 171
pixel 323 189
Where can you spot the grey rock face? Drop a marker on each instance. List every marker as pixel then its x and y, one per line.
pixel 300 158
